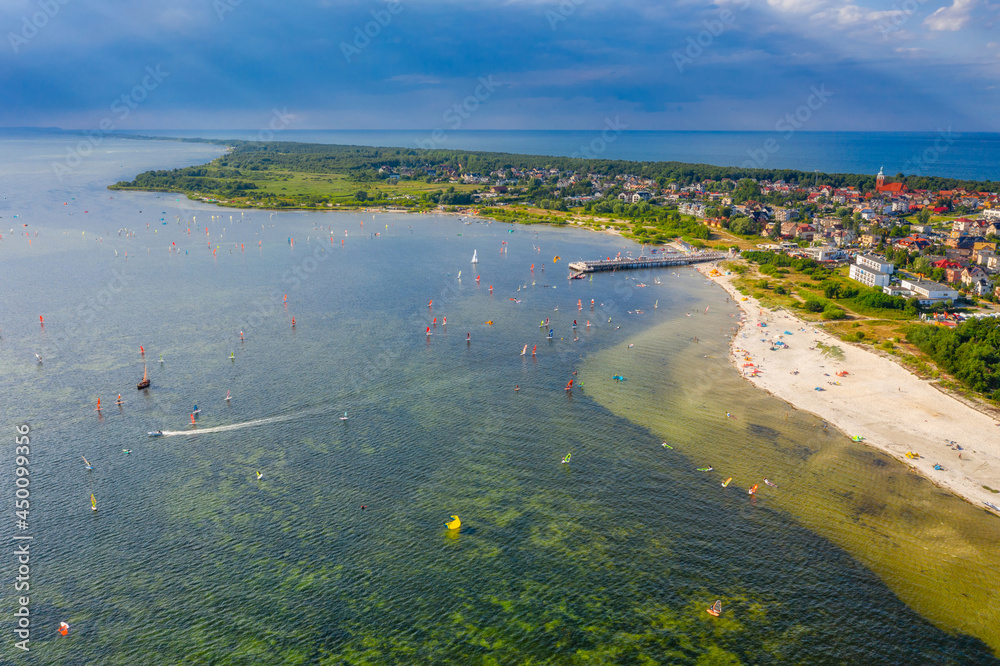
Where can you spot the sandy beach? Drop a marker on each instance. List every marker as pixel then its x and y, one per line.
pixel 892 409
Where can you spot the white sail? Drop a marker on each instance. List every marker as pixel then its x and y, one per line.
pixel 474 259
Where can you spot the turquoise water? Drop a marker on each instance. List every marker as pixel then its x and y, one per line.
pixel 610 559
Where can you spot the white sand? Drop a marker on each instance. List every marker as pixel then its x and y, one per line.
pixel 894 410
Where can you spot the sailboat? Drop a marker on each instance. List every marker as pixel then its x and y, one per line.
pixel 715 609
pixel 475 259
pixel 93 502
pixel 525 350
pixel 145 379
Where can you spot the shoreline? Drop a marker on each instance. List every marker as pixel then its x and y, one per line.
pixel 917 417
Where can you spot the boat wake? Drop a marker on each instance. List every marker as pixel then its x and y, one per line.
pixel 235 426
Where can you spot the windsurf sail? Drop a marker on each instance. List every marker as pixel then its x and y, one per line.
pixel 98 408
pixel 666 446
pixel 569 385
pixel 87 463
pixel 475 260
pixel 525 350
pixel 725 484
pixel 93 502
pixel 566 459
pixel 453 524
pixel 715 609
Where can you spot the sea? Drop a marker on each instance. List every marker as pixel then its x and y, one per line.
pixel 457 403
pixel 943 152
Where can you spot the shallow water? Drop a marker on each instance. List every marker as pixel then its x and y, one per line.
pixel 609 559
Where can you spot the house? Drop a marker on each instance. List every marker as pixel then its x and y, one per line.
pixel 972 274
pixel 946 263
pixel 912 243
pixel 953 275
pixel 805 232
pixel 991 214
pixel 982 287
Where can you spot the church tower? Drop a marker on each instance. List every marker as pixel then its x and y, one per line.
pixel 879 180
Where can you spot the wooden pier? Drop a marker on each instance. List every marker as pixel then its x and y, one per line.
pixel 669 259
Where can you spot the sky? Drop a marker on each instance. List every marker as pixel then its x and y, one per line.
pixel 815 65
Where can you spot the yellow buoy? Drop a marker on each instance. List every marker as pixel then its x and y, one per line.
pixel 453 524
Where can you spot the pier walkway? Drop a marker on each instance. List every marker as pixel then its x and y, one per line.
pixel 668 259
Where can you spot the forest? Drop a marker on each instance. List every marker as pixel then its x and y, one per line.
pixel 969 351
pixel 363 162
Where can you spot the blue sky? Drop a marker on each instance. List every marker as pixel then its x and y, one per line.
pixel 908 65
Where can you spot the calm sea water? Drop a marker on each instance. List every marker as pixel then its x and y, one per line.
pixel 942 153
pixel 611 558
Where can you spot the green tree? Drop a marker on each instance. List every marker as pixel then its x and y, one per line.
pixel 746 190
pixel 744 226
pixel 924 216
pixel 361 195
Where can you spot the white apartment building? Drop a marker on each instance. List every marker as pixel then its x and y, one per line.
pixel 869 276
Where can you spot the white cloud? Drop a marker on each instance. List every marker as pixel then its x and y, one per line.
pixel 796 6
pixel 951 18
pixel 853 15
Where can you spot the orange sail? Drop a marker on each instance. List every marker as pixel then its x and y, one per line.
pixel 569 385
pixel 98 405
